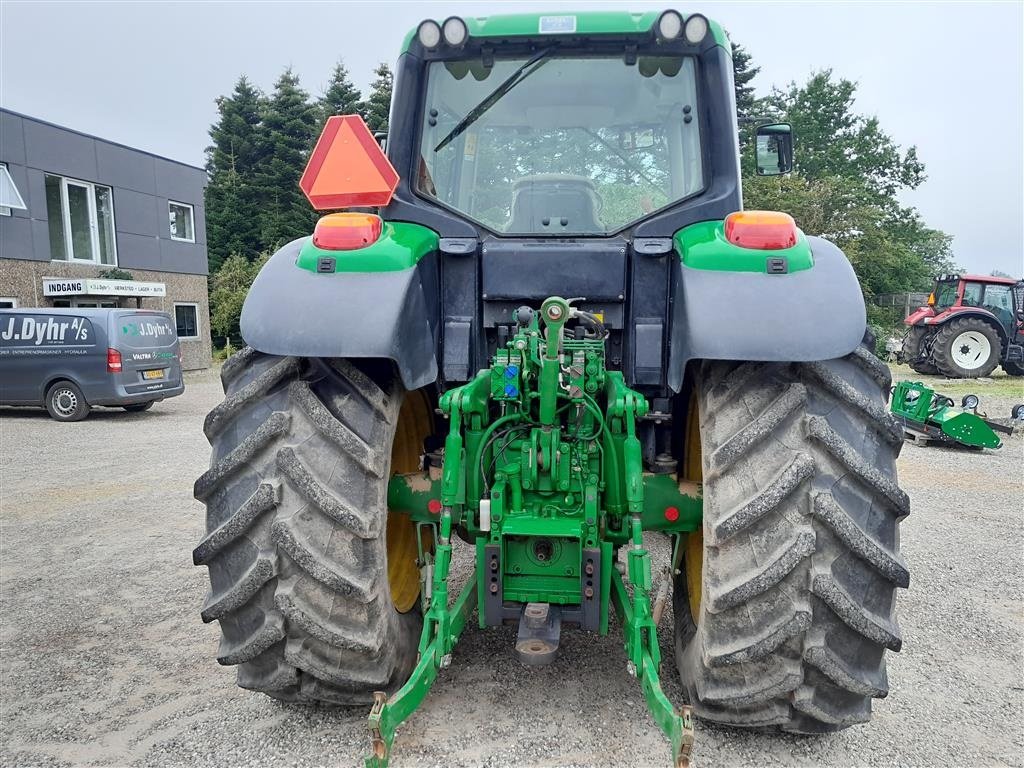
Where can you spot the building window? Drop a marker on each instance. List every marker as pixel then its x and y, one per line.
pixel 6 302
pixel 10 197
pixel 81 221
pixel 84 303
pixel 182 222
pixel 186 319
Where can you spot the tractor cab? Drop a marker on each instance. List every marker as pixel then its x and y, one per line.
pixel 999 296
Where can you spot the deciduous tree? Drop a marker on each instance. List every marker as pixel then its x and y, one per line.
pixel 228 288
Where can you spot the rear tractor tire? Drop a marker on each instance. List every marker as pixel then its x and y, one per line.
pixel 966 349
pixel 912 350
pixel 785 607
pixel 298 535
pixel 1013 369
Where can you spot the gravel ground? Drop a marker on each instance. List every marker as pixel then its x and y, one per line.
pixel 104 661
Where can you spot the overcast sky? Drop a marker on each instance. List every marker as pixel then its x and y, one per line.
pixel 948 77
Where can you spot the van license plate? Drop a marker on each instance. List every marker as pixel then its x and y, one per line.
pixel 157 374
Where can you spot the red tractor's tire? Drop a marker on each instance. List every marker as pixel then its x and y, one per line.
pixel 296 512
pixel 800 559
pixel 1013 369
pixel 912 350
pixel 967 348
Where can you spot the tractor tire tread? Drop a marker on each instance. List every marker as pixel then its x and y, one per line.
pixel 296 507
pixel 915 336
pixel 801 559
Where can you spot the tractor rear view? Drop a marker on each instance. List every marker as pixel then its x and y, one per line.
pixel 530 345
pixel 972 324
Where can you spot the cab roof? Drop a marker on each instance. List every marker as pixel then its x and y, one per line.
pixel 989 279
pixel 586 23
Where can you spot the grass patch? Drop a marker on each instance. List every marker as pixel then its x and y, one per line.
pixel 998 384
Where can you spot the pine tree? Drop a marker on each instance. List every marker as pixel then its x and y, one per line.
pixel 231 162
pixel 288 133
pixel 341 97
pixel 748 106
pixel 376 108
pixel 742 74
pixel 231 226
pixel 235 134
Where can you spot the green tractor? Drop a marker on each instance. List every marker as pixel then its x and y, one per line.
pixel 550 332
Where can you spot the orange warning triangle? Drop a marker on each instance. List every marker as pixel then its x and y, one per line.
pixel 348 167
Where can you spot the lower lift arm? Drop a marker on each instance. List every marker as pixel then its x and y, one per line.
pixel 642 651
pixel 441 630
pixel 442 625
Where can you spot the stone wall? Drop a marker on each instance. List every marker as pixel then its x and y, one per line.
pixel 23 280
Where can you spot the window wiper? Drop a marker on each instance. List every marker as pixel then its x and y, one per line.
pixel 526 69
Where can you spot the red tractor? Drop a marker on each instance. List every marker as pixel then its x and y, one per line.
pixel 972 324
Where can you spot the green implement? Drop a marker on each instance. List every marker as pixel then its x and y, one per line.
pixel 930 416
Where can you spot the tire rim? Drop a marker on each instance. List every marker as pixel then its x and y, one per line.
pixel 970 350
pixel 693 554
pixel 65 402
pixel 414 424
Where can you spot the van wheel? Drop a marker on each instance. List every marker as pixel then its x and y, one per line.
pixel 139 407
pixel 65 402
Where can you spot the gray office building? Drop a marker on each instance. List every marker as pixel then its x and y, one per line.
pixel 86 222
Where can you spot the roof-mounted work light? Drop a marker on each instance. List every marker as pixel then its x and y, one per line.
pixel 429 34
pixel 455 32
pixel 670 25
pixel 696 29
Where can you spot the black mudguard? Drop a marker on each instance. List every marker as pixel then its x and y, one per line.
pixel 813 314
pixel 292 311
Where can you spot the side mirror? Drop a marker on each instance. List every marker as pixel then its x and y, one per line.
pixel 774 149
pixel 636 139
pixel 381 138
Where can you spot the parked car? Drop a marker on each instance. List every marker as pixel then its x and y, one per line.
pixel 70 360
